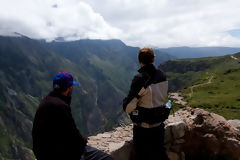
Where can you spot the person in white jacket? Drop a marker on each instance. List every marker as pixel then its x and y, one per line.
pixel 145 105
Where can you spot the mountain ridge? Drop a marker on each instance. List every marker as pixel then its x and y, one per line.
pixel 198 52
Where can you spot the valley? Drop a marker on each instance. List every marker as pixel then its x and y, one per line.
pixel 104 70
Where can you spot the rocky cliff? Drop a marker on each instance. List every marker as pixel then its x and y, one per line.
pixel 189 134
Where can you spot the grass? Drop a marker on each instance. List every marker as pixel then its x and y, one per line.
pixel 4 141
pixel 222 96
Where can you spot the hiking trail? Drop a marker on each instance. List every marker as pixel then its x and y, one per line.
pixel 235 58
pixel 178 99
pixel 198 85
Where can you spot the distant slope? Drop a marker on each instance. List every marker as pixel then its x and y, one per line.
pixel 24 79
pixel 112 57
pixel 215 80
pixel 104 70
pixel 197 52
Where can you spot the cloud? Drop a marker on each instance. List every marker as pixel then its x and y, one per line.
pixel 159 23
pixel 51 19
pixel 165 23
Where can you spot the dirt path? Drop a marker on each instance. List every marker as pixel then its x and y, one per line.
pixel 234 58
pixel 198 85
pixel 178 99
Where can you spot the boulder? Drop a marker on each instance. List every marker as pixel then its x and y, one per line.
pixel 209 135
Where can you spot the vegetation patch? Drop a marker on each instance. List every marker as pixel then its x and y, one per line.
pixel 215 88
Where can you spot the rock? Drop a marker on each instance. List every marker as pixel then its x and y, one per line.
pixel 110 141
pixel 178 129
pixel 235 123
pixel 179 141
pixel 168 138
pixel 11 92
pixel 178 99
pixel 115 146
pixel 191 133
pixel 212 142
pixel 173 156
pixel 210 133
pixel 106 135
pixel 126 152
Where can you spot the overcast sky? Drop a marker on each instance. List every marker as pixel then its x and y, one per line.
pixel 157 23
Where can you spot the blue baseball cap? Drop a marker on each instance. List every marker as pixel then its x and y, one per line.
pixel 63 80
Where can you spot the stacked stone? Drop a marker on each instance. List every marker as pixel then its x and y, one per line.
pixel 111 141
pixel 174 138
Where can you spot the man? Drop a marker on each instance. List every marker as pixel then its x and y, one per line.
pixel 145 104
pixel 55 135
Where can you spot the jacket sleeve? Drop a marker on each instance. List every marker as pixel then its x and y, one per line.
pixel 130 102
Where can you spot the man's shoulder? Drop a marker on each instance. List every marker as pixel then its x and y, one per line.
pixel 142 75
pixel 160 75
pixel 138 75
pixel 52 102
pixel 141 78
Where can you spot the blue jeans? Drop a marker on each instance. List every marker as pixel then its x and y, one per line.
pixel 92 153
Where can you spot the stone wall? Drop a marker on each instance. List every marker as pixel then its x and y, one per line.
pixel 189 134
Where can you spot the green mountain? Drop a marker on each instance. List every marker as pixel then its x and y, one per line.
pixel 104 70
pixel 211 83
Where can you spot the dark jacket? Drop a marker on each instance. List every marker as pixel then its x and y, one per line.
pixel 54 133
pixel 147 95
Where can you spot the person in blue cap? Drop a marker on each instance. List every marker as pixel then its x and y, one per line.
pixel 54 133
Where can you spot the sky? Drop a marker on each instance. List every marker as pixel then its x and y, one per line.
pixel 154 23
